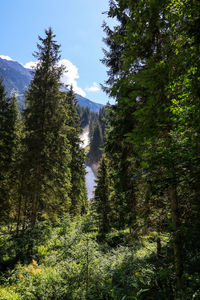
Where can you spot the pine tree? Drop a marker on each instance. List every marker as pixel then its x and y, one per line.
pixel 78 192
pixel 9 145
pixel 140 61
pixel 123 157
pixel 96 143
pixel 102 199
pixel 47 151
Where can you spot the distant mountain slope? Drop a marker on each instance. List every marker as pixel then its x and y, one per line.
pixel 95 107
pixel 17 78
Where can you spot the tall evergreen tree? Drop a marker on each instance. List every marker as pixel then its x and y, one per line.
pixel 78 192
pixel 47 154
pixel 96 143
pixel 102 198
pixel 123 157
pixel 144 70
pixel 9 143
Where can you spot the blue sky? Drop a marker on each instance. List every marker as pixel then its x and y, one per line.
pixel 77 25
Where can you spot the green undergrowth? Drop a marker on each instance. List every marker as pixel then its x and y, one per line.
pixel 68 261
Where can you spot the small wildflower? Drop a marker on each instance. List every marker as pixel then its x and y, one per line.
pixel 38 271
pixel 20 276
pixel 34 263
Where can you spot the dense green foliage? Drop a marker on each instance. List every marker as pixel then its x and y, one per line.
pixel 47 153
pixel 42 163
pixel 10 133
pixel 97 126
pixel 66 261
pixel 152 141
pixel 78 192
pixel 139 239
pixel 102 197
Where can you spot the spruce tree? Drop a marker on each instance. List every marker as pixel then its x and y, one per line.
pixel 9 143
pixel 123 158
pixel 96 143
pixel 153 71
pixel 47 155
pixel 102 198
pixel 78 192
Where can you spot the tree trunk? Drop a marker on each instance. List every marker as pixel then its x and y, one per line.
pixel 19 213
pixel 132 205
pixel 177 241
pixel 147 207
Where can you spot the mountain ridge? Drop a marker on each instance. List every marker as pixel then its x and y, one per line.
pixel 17 78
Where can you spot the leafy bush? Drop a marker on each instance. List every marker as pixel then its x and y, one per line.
pixel 67 262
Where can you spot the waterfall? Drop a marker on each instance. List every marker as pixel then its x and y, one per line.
pixel 90 176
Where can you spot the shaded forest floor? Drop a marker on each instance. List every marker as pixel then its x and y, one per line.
pixel 71 261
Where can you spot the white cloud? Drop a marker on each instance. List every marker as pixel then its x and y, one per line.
pixel 31 65
pixel 6 57
pixel 70 76
pixel 93 88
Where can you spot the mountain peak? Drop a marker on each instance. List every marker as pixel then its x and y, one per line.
pixel 6 57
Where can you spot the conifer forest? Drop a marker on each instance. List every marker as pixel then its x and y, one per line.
pixel 139 237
